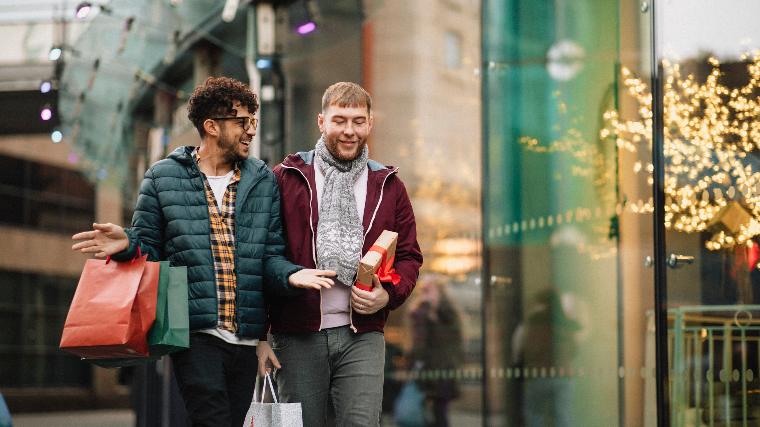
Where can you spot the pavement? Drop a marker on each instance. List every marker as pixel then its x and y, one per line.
pixel 126 418
pixel 456 419
pixel 108 418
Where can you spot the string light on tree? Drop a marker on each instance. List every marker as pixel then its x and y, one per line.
pixel 710 130
pixel 712 183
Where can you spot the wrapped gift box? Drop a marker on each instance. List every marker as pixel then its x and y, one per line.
pixel 731 218
pixel 373 259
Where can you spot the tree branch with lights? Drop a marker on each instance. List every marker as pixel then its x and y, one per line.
pixel 711 131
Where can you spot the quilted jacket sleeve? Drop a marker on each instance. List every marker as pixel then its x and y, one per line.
pixel 277 268
pixel 146 231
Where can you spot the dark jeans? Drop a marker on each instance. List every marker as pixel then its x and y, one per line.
pixel 216 380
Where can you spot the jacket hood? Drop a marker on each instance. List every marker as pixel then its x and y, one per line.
pixel 182 154
pixel 306 158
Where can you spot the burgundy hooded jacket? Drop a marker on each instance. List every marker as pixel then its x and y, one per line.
pixel 387 207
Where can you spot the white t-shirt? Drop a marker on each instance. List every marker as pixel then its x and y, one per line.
pixel 218 186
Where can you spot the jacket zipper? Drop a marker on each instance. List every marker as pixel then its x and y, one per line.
pixel 371 221
pixel 313 236
pixel 238 199
pixel 374 213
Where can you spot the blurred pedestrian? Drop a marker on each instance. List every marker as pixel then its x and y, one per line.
pixel 336 203
pixel 548 336
pixel 437 345
pixel 5 414
pixel 217 211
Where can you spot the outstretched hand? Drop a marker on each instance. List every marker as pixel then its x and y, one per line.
pixel 104 240
pixel 310 278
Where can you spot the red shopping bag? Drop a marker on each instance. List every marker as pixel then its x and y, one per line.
pixel 113 308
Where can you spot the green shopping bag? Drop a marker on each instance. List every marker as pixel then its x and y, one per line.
pixel 171 329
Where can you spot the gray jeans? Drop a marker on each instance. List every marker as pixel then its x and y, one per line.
pixel 333 365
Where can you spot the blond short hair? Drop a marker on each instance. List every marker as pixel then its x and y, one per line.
pixel 346 94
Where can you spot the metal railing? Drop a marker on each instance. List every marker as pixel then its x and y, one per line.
pixel 714 363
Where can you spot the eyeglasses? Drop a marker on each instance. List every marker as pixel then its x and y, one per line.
pixel 249 121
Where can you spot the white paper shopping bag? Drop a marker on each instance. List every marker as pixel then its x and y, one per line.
pixel 275 414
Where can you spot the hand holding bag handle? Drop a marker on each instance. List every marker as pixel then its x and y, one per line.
pixel 267 379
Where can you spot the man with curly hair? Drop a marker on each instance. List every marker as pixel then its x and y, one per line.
pixel 217 211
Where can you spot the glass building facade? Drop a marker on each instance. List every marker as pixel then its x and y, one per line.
pixel 555 305
pixel 620 225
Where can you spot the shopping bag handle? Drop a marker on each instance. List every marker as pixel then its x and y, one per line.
pixel 268 379
pixel 139 254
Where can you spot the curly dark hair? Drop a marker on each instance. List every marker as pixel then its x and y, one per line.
pixel 214 98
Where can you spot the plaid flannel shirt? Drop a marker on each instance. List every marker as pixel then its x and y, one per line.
pixel 223 248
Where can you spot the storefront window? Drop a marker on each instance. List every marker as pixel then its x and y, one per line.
pixel 567 225
pixel 589 157
pixel 709 59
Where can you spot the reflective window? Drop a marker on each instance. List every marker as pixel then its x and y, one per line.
pixel 568 216
pixel 33 308
pixel 709 57
pixel 44 197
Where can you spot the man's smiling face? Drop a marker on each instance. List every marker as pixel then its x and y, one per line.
pixel 234 139
pixel 346 130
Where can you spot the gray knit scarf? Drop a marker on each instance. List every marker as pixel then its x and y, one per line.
pixel 340 233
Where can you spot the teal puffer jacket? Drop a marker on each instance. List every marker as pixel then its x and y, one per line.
pixel 171 222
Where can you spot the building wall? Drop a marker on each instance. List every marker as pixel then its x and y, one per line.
pixel 46 200
pixel 422 68
pixel 428 113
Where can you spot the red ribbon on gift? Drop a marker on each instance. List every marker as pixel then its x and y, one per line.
pixel 363 287
pixel 386 272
